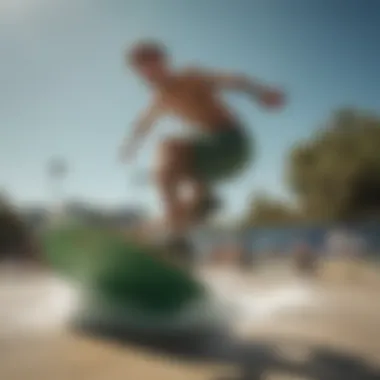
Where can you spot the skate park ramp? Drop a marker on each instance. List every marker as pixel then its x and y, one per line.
pixel 289 328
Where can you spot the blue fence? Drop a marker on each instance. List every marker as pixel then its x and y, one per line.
pixel 283 239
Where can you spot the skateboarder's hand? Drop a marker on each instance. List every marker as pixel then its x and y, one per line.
pixel 272 98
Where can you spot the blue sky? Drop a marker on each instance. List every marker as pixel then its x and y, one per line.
pixel 65 91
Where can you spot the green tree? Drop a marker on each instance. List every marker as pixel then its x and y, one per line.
pixel 13 233
pixel 265 211
pixel 336 173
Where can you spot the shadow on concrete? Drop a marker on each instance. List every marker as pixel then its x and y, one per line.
pixel 253 360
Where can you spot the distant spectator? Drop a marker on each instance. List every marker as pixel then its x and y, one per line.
pixel 304 258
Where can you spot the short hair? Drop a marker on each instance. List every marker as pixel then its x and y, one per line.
pixel 145 51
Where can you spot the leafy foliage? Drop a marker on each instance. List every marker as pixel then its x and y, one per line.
pixel 268 211
pixel 336 174
pixel 13 233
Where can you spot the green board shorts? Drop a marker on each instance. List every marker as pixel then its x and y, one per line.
pixel 221 155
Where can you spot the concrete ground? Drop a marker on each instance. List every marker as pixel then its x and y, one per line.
pixel 284 327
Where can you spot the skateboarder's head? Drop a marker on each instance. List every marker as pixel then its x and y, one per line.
pixel 150 60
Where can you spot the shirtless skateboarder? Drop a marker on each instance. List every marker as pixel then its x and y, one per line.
pixel 221 149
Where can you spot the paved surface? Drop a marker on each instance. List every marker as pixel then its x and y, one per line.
pixel 283 328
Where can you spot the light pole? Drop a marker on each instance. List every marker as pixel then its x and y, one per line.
pixel 57 172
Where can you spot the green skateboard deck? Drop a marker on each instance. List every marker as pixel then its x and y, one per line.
pixel 122 280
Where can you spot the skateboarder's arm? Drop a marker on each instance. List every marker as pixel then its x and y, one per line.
pixel 236 82
pixel 142 127
pixel 146 120
pixel 242 83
